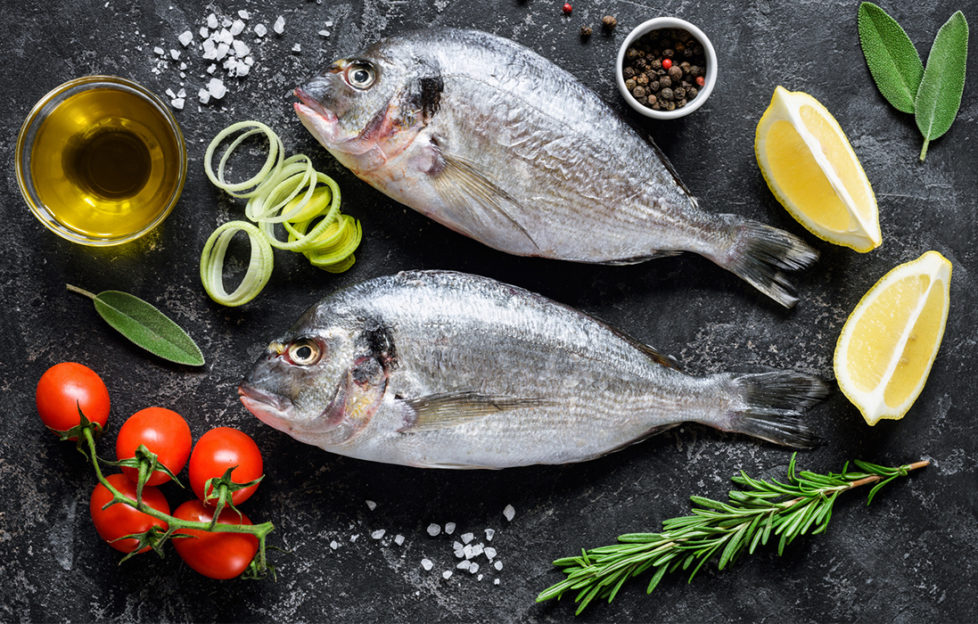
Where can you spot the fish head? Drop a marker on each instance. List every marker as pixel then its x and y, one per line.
pixel 320 382
pixel 367 108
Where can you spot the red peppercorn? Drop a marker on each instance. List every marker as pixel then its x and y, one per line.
pixel 700 80
pixel 567 8
pixel 666 63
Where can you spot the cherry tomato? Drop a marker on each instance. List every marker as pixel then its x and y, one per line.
pixel 66 387
pixel 222 448
pixel 164 432
pixel 121 519
pixel 215 555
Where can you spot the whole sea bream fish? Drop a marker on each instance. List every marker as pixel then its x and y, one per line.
pixel 449 370
pixel 498 143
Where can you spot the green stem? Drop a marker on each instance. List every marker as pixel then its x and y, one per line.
pixel 258 530
pixel 80 291
pixel 923 150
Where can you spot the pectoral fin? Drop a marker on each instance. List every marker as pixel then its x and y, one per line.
pixel 470 192
pixel 444 411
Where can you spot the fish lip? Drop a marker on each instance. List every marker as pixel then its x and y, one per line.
pixel 272 409
pixel 310 106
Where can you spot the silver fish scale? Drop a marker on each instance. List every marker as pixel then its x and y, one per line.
pixel 454 332
pixel 549 141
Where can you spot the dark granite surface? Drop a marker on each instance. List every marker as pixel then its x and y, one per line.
pixel 910 557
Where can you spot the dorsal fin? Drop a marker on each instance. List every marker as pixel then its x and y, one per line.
pixel 669 166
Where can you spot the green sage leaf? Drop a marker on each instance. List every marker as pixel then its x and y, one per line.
pixel 939 95
pixel 145 326
pixel 892 58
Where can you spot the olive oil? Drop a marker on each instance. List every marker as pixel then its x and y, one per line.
pixel 108 162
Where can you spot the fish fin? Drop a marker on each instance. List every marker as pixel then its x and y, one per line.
pixel 665 253
pixel 758 254
pixel 446 410
pixel 651 352
pixel 669 166
pixel 769 406
pixel 461 184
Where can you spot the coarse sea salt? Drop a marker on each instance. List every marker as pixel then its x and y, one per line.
pixel 509 512
pixel 490 553
pixel 447 574
pixel 464 565
pixel 177 103
pixel 371 505
pixel 449 528
pixel 433 529
pixel 399 539
pixel 379 533
pixel 427 564
pixel 490 533
pixel 261 30
pixel 212 22
pixel 498 565
pixel 244 14
pixel 334 545
pixel 185 38
pixel 467 537
pixel 215 86
pixel 279 25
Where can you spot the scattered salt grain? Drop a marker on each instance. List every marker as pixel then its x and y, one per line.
pixel 261 30
pixel 323 33
pixel 216 88
pixel 433 529
pixel 379 533
pixel 467 537
pixel 240 48
pixel 509 512
pixel 237 27
pixel 244 14
pixel 225 21
pixel 225 36
pixel 399 539
pixel 170 93
pixel 203 96
pixel 175 55
pixel 490 553
pixel 183 66
pixel 478 578
pixel 159 51
pixel 279 26
pixel 449 528
pixel 459 553
pixel 222 51
pixel 334 545
pixel 473 568
pixel 354 537
pixel 489 534
pixel 185 38
pixel 297 48
pixel 468 552
pixel 477 549
pixel 464 565
pixel 447 574
pixel 177 103
pixel 328 23
pixel 498 565
pixel 212 22
pixel 495 581
pixel 370 505
pixel 211 68
pixel 182 93
pixel 204 32
pixel 427 564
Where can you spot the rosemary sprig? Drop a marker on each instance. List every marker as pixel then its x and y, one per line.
pixel 716 529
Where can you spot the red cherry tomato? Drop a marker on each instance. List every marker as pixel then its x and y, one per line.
pixel 222 448
pixel 164 432
pixel 215 555
pixel 121 519
pixel 66 387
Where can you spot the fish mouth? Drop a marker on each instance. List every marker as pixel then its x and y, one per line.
pixel 272 409
pixel 309 105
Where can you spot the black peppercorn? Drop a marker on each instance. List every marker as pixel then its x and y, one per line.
pixel 628 72
pixel 691 92
pixel 670 106
pixel 675 72
pixel 642 79
pixel 668 53
pixel 630 84
pixel 585 31
pixel 656 64
pixel 665 81
pixel 679 93
pixel 608 22
pixel 665 94
pixel 639 91
pixel 654 86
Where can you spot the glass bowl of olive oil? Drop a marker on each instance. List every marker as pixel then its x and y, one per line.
pixel 101 160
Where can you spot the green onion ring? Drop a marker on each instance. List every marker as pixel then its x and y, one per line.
pixel 272 162
pixel 212 264
pixel 304 241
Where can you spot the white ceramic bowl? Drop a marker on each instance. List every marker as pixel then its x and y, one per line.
pixel 660 23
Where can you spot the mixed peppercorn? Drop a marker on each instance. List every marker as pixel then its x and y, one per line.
pixel 665 69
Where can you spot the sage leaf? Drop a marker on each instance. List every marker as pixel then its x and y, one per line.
pixel 145 326
pixel 939 95
pixel 892 58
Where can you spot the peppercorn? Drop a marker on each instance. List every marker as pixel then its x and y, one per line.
pixel 666 94
pixel 681 103
pixel 670 106
pixel 679 93
pixel 630 84
pixel 642 79
pixel 700 80
pixel 628 72
pixel 691 92
pixel 665 81
pixel 608 22
pixel 656 64
pixel 651 99
pixel 631 53
pixel 669 53
pixel 685 66
pixel 639 91
pixel 586 32
pixel 676 73
pixel 666 64
pixel 654 86
pixel 567 8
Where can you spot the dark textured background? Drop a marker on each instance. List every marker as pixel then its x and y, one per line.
pixel 910 557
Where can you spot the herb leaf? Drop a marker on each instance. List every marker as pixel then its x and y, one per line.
pixel 891 56
pixel 145 326
pixel 939 95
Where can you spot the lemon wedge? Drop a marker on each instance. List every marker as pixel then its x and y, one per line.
pixel 811 168
pixel 890 340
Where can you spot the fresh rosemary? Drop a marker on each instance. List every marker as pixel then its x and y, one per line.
pixel 749 518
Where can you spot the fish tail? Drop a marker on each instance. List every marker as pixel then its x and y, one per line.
pixel 769 406
pixel 759 254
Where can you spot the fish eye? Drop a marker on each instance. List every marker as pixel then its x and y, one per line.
pixel 304 352
pixel 360 75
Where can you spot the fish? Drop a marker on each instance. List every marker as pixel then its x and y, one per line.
pixel 440 369
pixel 500 144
